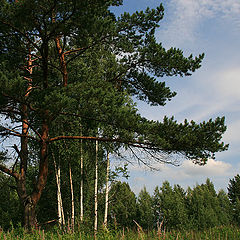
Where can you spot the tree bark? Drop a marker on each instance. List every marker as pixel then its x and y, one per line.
pixel 81 183
pixel 72 194
pixel 61 219
pixel 96 194
pixel 30 219
pixel 29 215
pixel 107 191
pixel 62 61
pixel 30 201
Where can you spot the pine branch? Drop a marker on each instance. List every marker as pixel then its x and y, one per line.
pixel 21 33
pixel 8 171
pixel 12 132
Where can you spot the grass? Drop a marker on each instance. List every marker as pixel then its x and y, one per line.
pixel 217 233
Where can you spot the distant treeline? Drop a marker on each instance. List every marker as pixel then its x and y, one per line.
pixel 172 207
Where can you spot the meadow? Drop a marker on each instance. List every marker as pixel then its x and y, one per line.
pixel 216 233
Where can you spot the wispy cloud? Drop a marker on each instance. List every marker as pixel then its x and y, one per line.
pixel 218 91
pixel 188 174
pixel 187 15
pixel 189 170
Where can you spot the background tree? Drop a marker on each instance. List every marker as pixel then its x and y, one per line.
pixel 123 205
pixel 171 206
pixel 145 214
pixel 204 206
pixel 156 198
pixel 234 196
pixel 225 212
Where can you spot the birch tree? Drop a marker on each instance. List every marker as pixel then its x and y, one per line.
pixel 61 218
pixel 72 199
pixel 81 181
pixel 96 194
pixel 107 192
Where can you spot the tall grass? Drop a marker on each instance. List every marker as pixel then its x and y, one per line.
pixel 217 233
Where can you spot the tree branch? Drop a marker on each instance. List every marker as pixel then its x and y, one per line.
pixel 74 50
pixel 20 32
pixel 17 134
pixel 136 144
pixel 8 171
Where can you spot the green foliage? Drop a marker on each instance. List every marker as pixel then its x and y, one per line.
pixel 122 205
pixel 205 208
pixel 199 208
pixel 234 189
pixel 145 211
pixel 234 196
pixel 108 60
pixel 170 207
pixel 9 207
pixel 225 211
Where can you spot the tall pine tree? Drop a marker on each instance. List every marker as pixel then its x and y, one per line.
pixel 61 60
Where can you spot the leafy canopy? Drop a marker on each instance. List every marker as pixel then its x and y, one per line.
pixel 88 64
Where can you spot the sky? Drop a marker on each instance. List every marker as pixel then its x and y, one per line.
pixel 197 26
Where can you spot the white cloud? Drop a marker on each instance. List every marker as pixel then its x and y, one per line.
pixel 188 174
pixel 187 15
pixel 228 84
pixel 232 133
pixel 219 91
pixel 189 169
pixel 212 168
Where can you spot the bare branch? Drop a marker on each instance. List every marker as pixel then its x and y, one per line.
pixel 17 134
pixel 8 171
pixel 140 160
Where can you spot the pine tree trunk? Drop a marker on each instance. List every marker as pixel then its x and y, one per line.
pixel 96 194
pixel 32 201
pixel 72 194
pixel 107 190
pixel 29 216
pixel 30 219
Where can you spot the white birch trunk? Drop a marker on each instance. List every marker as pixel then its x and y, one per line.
pixel 61 218
pixel 81 183
pixel 71 185
pixel 107 190
pixel 60 202
pixel 96 193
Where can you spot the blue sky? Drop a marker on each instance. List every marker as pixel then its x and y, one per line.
pixel 196 26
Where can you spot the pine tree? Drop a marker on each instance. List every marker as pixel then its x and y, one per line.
pixel 74 61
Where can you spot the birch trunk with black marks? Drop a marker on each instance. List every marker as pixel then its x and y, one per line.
pixel 61 218
pixel 81 182
pixel 96 194
pixel 107 191
pixel 72 198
